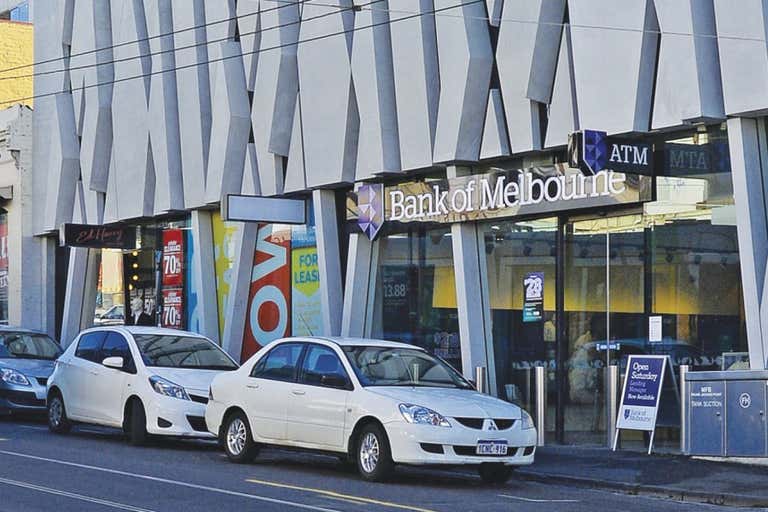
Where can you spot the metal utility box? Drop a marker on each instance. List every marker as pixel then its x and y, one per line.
pixel 726 413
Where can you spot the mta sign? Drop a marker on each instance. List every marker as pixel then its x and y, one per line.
pixel 592 151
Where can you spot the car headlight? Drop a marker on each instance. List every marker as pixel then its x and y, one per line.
pixel 422 416
pixel 527 420
pixel 13 377
pixel 168 388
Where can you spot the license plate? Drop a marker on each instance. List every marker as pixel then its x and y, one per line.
pixel 491 448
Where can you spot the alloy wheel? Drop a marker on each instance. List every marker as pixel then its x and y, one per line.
pixel 369 452
pixel 236 436
pixel 55 412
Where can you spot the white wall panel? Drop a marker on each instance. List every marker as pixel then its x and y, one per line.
pixel 194 98
pixel 231 126
pixel 249 28
pixel 466 62
pixel 274 97
pixel 563 115
pixel 378 145
pixel 613 68
pixel 164 109
pixel 295 173
pixel 688 85
pixel 328 108
pixel 742 28
pixel 417 80
pixel 63 165
pixel 133 164
pixel 495 138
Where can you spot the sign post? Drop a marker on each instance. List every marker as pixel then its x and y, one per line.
pixel 640 395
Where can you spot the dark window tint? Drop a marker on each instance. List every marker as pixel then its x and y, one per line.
pixel 280 363
pixel 319 363
pixel 89 346
pixel 24 345
pixel 116 346
pixel 182 352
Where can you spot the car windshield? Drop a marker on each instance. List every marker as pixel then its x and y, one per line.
pixel 169 351
pixel 388 366
pixel 23 345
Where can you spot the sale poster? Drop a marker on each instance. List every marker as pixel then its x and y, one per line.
pixel 173 279
pixel 269 300
pixel 306 317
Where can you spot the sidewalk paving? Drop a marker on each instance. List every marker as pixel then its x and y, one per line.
pixel 668 476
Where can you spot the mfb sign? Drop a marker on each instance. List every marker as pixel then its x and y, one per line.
pixel 269 301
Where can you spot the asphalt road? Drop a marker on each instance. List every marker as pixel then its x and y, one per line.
pixel 94 469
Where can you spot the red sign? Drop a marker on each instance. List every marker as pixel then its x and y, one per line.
pixel 269 301
pixel 173 308
pixel 173 258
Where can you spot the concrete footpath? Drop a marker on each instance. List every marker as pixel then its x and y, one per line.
pixel 665 476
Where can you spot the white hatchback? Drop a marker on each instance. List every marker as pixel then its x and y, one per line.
pixel 376 403
pixel 145 380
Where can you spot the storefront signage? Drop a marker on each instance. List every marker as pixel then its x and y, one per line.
pixel 269 299
pixel 236 207
pixel 640 395
pixel 97 236
pixel 306 316
pixel 173 308
pixel 592 151
pixel 3 259
pixel 173 258
pixel 533 297
pixel 693 159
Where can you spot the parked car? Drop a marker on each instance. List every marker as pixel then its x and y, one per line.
pixel 145 380
pixel 376 403
pixel 26 363
pixel 113 316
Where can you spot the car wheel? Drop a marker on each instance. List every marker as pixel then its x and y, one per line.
pixel 237 439
pixel 494 473
pixel 374 458
pixel 137 426
pixel 58 423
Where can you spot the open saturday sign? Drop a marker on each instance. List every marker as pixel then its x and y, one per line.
pixel 640 397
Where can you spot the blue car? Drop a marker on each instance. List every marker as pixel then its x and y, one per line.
pixel 26 361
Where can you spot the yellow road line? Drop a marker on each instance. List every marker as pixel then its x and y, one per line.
pixel 337 495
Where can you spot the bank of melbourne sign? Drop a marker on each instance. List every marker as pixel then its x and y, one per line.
pixel 496 194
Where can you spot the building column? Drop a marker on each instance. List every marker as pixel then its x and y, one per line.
pixel 80 298
pixel 747 139
pixel 357 289
pixel 328 261
pixel 237 303
pixel 204 274
pixel 472 298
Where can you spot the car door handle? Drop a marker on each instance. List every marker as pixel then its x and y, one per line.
pixel 252 386
pixel 298 392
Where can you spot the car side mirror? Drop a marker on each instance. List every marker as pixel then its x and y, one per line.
pixel 115 362
pixel 334 380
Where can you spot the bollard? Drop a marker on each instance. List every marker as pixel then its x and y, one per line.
pixel 611 395
pixel 480 379
pixel 683 410
pixel 541 404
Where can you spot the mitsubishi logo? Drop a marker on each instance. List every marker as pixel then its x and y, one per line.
pixel 490 425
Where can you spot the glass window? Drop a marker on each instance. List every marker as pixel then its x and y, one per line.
pixel 388 366
pixel 3 268
pixel 415 298
pixel 182 352
pixel 319 362
pixel 89 346
pixel 280 363
pixel 24 345
pixel 115 345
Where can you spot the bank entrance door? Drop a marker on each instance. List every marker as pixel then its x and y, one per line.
pixel 602 307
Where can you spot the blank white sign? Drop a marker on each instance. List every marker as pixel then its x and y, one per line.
pixel 264 209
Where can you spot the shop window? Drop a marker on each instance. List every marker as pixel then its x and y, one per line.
pixel 415 298
pixel 3 268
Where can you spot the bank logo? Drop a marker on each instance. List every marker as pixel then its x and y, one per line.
pixel 595 150
pixel 745 400
pixel 490 425
pixel 370 204
pixel 626 414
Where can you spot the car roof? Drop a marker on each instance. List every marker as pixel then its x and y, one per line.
pixel 10 328
pixel 347 341
pixel 136 329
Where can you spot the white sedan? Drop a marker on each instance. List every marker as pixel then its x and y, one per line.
pixel 145 380
pixel 377 403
